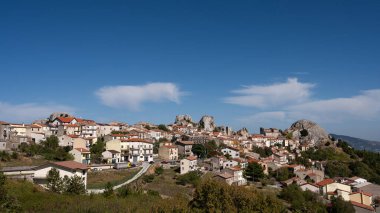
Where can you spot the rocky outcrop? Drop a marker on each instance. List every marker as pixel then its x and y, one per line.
pixel 243 132
pixel 207 123
pixel 308 132
pixel 54 115
pixel 183 120
pixel 225 129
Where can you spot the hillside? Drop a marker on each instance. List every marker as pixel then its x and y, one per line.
pixel 359 143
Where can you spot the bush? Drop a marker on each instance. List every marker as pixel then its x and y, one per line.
pixel 192 178
pixel 159 170
pixel 148 178
pixel 108 190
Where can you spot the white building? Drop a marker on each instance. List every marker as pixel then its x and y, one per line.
pixel 65 168
pixel 234 153
pixel 188 164
pixel 140 150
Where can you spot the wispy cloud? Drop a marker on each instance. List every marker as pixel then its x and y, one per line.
pixel 29 111
pixel 365 106
pixel 133 96
pixel 289 92
pixel 292 100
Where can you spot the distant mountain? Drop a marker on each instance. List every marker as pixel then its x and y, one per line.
pixel 358 143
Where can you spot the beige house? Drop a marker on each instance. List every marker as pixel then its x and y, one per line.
pixel 168 152
pixel 361 197
pixel 111 156
pixel 330 188
pixel 81 155
pixel 188 164
pixel 184 148
pixel 114 145
pixel 79 143
pixel 237 176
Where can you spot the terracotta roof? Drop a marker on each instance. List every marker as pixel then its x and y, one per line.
pixel 71 165
pixel 325 182
pixel 191 158
pixel 235 168
pixel 72 125
pixel 186 142
pixel 312 184
pixel 3 122
pixel 225 175
pixel 137 140
pixel 113 151
pixel 118 135
pixel 65 119
pixel 362 206
pixel 83 150
pixel 232 148
pixel 73 136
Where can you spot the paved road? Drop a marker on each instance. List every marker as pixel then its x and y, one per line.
pixel 145 167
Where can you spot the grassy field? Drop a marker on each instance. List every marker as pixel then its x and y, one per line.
pixel 34 199
pixel 23 161
pixel 99 179
pixel 165 184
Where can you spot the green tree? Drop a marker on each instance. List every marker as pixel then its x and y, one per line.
pixel 54 181
pixel 199 150
pixel 97 149
pixel 192 178
pixel 75 185
pixel 8 203
pixel 211 148
pixel 254 171
pixel 159 170
pixel 302 201
pixel 108 190
pixel 163 127
pixel 338 205
pixel 215 196
pixel 337 169
pixel 282 174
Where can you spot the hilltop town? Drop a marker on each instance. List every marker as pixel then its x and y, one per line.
pixel 304 156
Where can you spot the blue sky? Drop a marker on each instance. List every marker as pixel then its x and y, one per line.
pixel 248 63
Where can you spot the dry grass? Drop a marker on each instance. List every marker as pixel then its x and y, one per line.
pixel 99 179
pixel 24 161
pixel 165 184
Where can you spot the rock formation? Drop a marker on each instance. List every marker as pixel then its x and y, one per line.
pixel 308 132
pixel 243 132
pixel 207 123
pixel 54 115
pixel 183 120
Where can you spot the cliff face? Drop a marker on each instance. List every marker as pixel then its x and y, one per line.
pixel 308 131
pixel 243 132
pixel 207 123
pixel 183 120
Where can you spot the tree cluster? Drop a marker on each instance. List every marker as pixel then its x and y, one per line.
pixel 48 148
pixel 73 185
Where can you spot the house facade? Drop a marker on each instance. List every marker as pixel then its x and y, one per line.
pixel 188 164
pixel 81 155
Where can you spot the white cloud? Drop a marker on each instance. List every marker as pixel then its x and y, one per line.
pixel 270 107
pixel 132 97
pixel 365 106
pixel 265 116
pixel 289 92
pixel 29 111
